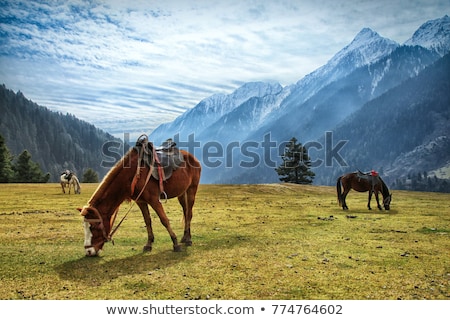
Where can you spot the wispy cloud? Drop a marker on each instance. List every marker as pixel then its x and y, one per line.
pixel 131 66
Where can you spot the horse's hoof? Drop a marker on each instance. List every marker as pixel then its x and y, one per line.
pixel 177 248
pixel 187 242
pixel 147 248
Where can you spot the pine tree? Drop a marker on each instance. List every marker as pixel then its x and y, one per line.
pixel 90 176
pixel 296 164
pixel 28 171
pixel 6 172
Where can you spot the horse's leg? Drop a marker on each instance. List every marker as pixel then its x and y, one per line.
pixel 378 201
pixel 370 197
pixel 344 196
pixel 187 202
pixel 157 206
pixel 148 224
pixel 62 187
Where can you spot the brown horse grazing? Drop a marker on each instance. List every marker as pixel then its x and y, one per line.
pixel 131 179
pixel 363 182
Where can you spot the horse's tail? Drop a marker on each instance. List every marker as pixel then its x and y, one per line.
pixel 339 190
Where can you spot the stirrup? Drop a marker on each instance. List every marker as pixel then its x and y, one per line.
pixel 165 197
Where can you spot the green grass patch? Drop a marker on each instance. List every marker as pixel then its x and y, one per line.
pixel 277 241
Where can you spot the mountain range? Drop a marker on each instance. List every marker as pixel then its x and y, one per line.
pixel 338 110
pixel 376 105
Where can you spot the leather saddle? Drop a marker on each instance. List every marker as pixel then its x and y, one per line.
pixel 168 157
pixel 372 177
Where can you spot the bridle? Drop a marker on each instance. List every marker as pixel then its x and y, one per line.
pixel 98 219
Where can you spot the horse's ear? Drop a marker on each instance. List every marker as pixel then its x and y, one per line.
pixel 83 211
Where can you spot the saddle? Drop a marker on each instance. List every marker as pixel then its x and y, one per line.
pixel 169 158
pixel 164 159
pixel 372 177
pixel 67 175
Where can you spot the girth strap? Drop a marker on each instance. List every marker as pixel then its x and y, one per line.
pixel 161 174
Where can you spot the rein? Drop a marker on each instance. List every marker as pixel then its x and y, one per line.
pixel 108 237
pixel 133 186
pixel 113 217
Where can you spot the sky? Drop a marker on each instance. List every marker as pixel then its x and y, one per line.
pixel 128 66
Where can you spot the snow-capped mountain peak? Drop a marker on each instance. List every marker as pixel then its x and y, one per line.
pixel 367 46
pixel 210 109
pixel 434 35
pixel 223 103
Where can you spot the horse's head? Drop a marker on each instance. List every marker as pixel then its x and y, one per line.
pixel 387 202
pixel 96 230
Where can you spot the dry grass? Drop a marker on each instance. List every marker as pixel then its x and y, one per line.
pixel 250 242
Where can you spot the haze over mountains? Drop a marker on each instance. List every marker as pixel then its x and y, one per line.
pixel 376 104
pixel 239 137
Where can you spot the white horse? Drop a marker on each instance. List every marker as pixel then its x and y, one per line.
pixel 70 179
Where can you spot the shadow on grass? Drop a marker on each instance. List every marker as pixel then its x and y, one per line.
pixel 95 270
pixel 98 269
pixel 365 211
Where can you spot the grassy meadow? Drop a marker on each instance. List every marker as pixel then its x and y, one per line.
pixel 277 241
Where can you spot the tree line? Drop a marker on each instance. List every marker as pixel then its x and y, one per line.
pixel 422 182
pixel 56 141
pixel 22 169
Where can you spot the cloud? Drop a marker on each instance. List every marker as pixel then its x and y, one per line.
pixel 123 65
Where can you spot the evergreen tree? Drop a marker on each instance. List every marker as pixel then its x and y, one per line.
pixel 28 171
pixel 296 164
pixel 90 176
pixel 6 172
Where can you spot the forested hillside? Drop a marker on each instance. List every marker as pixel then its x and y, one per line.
pixel 54 140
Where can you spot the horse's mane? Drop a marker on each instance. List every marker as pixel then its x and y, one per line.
pixel 385 189
pixel 111 175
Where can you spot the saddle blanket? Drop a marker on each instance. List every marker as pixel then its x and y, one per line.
pixel 372 177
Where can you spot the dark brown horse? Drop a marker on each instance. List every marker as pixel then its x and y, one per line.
pixel 130 179
pixel 363 182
